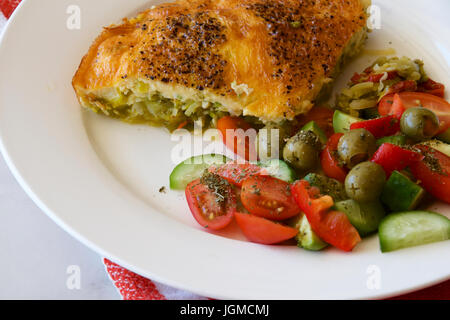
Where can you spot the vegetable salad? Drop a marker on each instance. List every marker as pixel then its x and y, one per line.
pixel 341 174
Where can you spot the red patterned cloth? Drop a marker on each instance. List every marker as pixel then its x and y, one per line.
pixel 130 285
pixel 8 6
pixel 134 287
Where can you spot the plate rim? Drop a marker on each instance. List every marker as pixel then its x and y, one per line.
pixel 54 216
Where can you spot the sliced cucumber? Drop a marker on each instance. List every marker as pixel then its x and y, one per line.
pixel 279 169
pixel 439 146
pixel 193 168
pixel 365 217
pixel 412 228
pixel 313 127
pixel 342 121
pixel 399 140
pixel 306 237
pixel 328 186
pixel 400 193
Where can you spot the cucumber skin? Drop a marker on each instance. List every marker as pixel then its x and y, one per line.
pixel 307 238
pixel 398 140
pixel 401 194
pixel 179 172
pixel 285 172
pixel 342 121
pixel 313 127
pixel 365 217
pixel 389 243
pixel 178 183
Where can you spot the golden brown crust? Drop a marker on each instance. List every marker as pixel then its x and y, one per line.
pixel 282 50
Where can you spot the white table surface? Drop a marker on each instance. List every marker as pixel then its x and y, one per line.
pixel 35 253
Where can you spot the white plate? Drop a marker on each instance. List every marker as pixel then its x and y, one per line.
pixel 99 178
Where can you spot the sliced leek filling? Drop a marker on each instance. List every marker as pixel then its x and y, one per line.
pixel 157 110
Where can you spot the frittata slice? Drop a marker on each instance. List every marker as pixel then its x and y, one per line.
pixel 195 61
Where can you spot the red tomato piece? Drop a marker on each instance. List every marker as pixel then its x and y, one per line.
pixel 397 107
pixel 380 127
pixel 402 86
pixel 205 207
pixel 369 76
pixel 391 104
pixel 269 197
pixel 385 105
pixel 330 164
pixel 331 226
pixel 415 99
pixel 239 136
pixel 356 78
pixel 236 173
pixel 368 70
pixel 433 173
pixel 377 77
pixel 432 87
pixel 260 230
pixel 392 157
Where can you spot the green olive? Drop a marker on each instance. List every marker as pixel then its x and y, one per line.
pixel 270 142
pixel 365 182
pixel 356 146
pixel 302 150
pixel 419 123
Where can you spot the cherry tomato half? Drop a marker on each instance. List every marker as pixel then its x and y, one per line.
pixel 329 162
pixel 238 136
pixel 414 99
pixel 269 197
pixel 236 173
pixel 210 211
pixel 263 231
pixel 434 173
